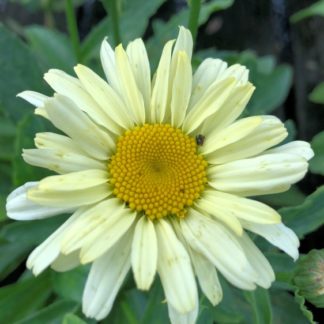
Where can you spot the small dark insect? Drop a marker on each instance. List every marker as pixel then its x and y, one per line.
pixel 200 139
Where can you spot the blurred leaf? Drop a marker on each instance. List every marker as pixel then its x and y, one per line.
pixel 261 305
pixel 317 94
pixel 289 198
pixel 31 233
pixel 316 8
pixel 23 298
pixel 52 314
pixel 285 309
pixel 57 5
pixel 292 131
pixel 284 266
pixel 308 216
pixel 72 319
pixel 70 284
pixel 134 19
pixel 7 135
pixel 26 130
pixel 271 90
pixel 316 164
pixel 19 71
pixel 12 254
pixel 19 238
pixel 52 48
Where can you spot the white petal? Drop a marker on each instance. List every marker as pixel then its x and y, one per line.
pixel 57 142
pixel 144 253
pixel 98 229
pixel 131 94
pixel 68 118
pixel 265 274
pixel 278 235
pixel 180 318
pixel 74 181
pixel 184 42
pixel 140 64
pixel 229 111
pixel 160 94
pixel 175 270
pixel 49 250
pixel 72 88
pixel 269 133
pixel 299 148
pixel 209 103
pixel 240 72
pixel 207 277
pixel 69 199
pixel 66 262
pixel 181 89
pixel 234 206
pixel 60 162
pixel 19 207
pixel 108 62
pixel 105 279
pixel 35 98
pixel 265 174
pixel 231 134
pixel 207 72
pixel 220 247
pixel 114 111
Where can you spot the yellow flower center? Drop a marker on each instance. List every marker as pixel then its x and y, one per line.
pixel 156 169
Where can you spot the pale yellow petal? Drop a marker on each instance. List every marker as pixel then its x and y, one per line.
pixel 265 174
pixel 237 207
pixel 129 89
pixel 144 253
pixel 113 108
pixel 209 103
pixel 238 130
pixel 269 133
pixel 175 270
pixel 140 64
pixel 181 89
pixel 161 94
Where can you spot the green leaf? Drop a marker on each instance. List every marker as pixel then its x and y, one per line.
pixel 134 18
pixel 316 164
pixel 51 47
pixel 7 135
pixel 52 314
pixel 285 309
pixel 69 285
pixel 19 71
pixel 12 254
pixel 31 233
pixel 308 216
pixel 24 297
pixel 72 319
pixel 259 299
pixel 316 8
pixel 317 94
pixel 271 90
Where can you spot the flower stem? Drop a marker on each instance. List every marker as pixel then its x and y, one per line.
pixel 194 17
pixel 73 28
pixel 111 8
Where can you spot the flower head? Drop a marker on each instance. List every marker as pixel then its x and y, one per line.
pixel 156 172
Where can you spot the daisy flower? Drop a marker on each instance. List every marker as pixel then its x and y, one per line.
pixel 156 173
